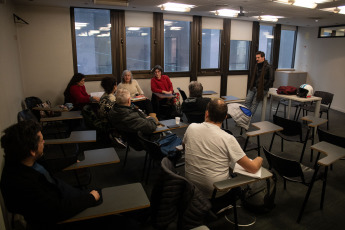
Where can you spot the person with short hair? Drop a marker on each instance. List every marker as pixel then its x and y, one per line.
pixel 108 99
pixel 29 189
pixel 262 79
pixel 209 150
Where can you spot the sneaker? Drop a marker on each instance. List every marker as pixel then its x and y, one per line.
pixel 119 143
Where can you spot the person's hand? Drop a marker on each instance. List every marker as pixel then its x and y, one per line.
pixel 95 194
pixel 96 99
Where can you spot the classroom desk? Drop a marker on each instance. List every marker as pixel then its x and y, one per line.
pixel 95 158
pixel 333 153
pixel 116 200
pixel 56 108
pixel 232 99
pixel 75 138
pixel 273 93
pixel 170 122
pixel 71 115
pixel 208 92
pixel 136 99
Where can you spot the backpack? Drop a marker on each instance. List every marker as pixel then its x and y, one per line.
pixel 287 90
pixel 168 145
pixel 259 196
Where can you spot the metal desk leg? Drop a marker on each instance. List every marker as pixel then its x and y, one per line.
pixel 263 109
pixel 324 188
pixel 289 109
pixel 259 146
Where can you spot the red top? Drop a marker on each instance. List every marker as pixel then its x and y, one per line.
pixel 157 85
pixel 79 95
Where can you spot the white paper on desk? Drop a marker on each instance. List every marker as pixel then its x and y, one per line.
pixel 239 169
pixel 96 94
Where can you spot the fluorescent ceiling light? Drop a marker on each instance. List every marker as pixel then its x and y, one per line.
pixel 322 1
pixel 268 18
pixel 336 10
pixel 341 9
pixel 305 3
pixel 179 7
pixel 79 25
pixel 144 34
pixel 133 28
pixel 168 23
pixel 104 35
pixel 104 28
pixel 175 28
pixel 92 32
pixel 226 12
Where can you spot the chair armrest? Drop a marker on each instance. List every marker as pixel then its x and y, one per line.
pixel 315 121
pixel 333 152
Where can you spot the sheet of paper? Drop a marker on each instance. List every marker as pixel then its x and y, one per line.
pixel 96 94
pixel 239 169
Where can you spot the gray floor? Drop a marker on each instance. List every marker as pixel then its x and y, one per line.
pixel 288 202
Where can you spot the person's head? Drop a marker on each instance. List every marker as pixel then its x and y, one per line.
pixel 126 77
pixel 22 140
pixel 109 84
pixel 77 79
pixel 216 110
pixel 123 97
pixel 260 57
pixel 195 89
pixel 157 71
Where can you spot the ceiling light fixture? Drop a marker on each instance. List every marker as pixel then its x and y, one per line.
pixel 302 3
pixel 268 18
pixel 179 7
pixel 226 13
pixel 341 9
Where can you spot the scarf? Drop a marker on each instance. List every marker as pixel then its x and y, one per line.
pixel 261 81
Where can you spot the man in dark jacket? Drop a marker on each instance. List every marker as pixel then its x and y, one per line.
pixel 262 79
pixel 29 189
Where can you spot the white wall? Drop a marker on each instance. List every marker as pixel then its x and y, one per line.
pixel 237 86
pixel 324 60
pixel 210 83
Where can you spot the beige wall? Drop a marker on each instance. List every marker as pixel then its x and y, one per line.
pixel 237 86
pixel 210 83
pixel 323 59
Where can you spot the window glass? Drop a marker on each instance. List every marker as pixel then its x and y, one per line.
pixel 138 48
pixel 286 51
pixel 176 45
pixel 266 41
pixel 93 42
pixel 210 49
pixel 239 55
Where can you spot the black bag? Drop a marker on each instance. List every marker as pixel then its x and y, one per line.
pixel 259 197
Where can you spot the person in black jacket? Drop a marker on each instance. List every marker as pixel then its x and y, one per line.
pixel 29 189
pixel 261 80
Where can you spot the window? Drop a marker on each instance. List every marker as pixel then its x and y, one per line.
pixel 176 45
pixel 93 41
pixel 138 48
pixel 287 46
pixel 266 41
pixel 239 55
pixel 210 49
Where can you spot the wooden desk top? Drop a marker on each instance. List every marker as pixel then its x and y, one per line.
pixel 75 137
pixel 167 123
pixel 293 97
pixel 240 180
pixel 315 121
pixel 162 95
pixel 96 157
pixel 232 99
pixel 116 200
pixel 208 92
pixel 264 128
pixel 333 152
pixel 71 115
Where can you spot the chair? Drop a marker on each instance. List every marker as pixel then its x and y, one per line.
pixel 285 103
pixel 183 94
pixel 292 131
pixel 195 117
pixel 25 115
pixel 326 102
pixel 132 141
pixel 291 170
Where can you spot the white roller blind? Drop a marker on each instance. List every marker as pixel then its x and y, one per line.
pixel 241 30
pixel 138 19
pixel 212 23
pixel 284 27
pixel 178 17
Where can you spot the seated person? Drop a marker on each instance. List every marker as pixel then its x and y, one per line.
pixel 195 103
pixel 76 94
pixel 108 99
pixel 32 191
pixel 127 82
pixel 209 151
pixel 162 84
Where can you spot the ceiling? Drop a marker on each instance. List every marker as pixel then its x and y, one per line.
pixel 293 15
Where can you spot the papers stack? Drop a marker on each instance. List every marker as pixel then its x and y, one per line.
pixel 239 169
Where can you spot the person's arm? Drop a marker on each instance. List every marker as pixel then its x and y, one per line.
pixel 270 79
pixel 249 165
pixel 170 86
pixel 79 94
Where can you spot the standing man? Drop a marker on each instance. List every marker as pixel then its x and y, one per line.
pixel 29 189
pixel 262 79
pixel 209 151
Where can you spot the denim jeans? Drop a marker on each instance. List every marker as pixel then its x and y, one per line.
pixel 251 102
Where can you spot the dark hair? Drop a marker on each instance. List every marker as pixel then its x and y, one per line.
pixel 108 84
pixel 20 139
pixel 157 67
pixel 195 89
pixel 123 76
pixel 75 79
pixel 217 110
pixel 262 54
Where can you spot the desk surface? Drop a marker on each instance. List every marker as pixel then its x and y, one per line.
pixel 264 128
pixel 56 108
pixel 167 123
pixel 208 92
pixel 162 95
pixel 136 99
pixel 75 137
pixel 333 152
pixel 232 99
pixel 116 200
pixel 96 157
pixel 315 121
pixel 294 97
pixel 240 180
pixel 70 115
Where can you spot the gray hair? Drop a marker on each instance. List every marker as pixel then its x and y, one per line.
pixel 195 89
pixel 123 76
pixel 122 96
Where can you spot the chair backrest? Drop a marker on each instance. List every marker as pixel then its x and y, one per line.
pixel 26 115
pixel 327 97
pixel 183 94
pixel 195 117
pixel 290 127
pixel 151 147
pixel 284 167
pixel 331 138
